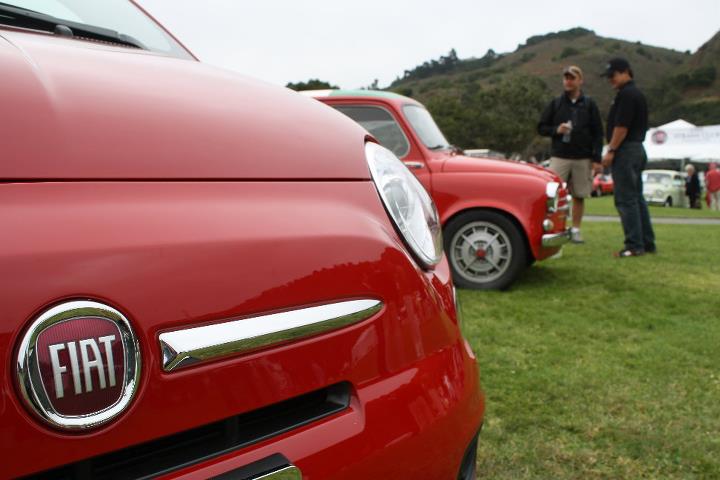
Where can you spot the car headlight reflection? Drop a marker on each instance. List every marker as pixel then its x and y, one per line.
pixel 408 204
pixel 552 192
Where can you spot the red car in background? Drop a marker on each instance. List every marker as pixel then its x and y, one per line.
pixel 602 185
pixel 497 216
pixel 205 276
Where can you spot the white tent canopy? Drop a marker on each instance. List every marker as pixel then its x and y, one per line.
pixel 675 124
pixel 681 140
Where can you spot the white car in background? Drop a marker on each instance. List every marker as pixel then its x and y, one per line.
pixel 664 187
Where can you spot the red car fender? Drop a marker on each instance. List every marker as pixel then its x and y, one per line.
pixel 516 196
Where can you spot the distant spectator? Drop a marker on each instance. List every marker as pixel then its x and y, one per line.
pixel 573 122
pixel 712 183
pixel 692 186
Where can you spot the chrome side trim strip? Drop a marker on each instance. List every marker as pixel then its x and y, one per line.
pixel 182 348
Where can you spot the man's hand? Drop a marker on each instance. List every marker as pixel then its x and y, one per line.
pixel 607 160
pixel 564 128
pixel 597 168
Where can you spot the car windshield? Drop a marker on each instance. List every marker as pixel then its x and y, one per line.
pixel 121 16
pixel 425 127
pixel 661 178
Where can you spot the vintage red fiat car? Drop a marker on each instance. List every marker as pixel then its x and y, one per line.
pixel 497 216
pixel 193 286
pixel 602 185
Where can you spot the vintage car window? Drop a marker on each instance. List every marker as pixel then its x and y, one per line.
pixel 381 124
pixel 661 178
pixel 119 15
pixel 425 127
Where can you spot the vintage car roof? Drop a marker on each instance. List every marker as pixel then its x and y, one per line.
pixel 358 93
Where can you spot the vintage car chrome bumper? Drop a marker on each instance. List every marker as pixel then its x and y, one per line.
pixel 556 239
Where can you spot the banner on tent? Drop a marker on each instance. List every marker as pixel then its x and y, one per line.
pixel 680 136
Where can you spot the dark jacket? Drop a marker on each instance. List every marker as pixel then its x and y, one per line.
pixel 586 139
pixel 692 185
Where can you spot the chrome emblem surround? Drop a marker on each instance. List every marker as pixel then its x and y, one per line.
pixel 28 373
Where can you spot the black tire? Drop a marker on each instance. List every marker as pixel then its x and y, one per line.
pixel 504 252
pixel 668 202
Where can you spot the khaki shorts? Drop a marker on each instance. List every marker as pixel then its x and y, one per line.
pixel 576 172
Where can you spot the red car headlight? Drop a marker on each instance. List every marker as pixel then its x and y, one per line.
pixel 408 204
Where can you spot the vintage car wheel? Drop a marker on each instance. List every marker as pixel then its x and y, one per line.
pixel 485 249
pixel 668 202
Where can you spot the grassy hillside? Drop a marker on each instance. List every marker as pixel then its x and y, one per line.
pixel 692 91
pixel 677 84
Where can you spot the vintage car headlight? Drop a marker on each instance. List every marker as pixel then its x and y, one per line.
pixel 552 191
pixel 408 204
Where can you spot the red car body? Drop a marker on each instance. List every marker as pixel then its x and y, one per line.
pixel 184 196
pixel 509 196
pixel 603 185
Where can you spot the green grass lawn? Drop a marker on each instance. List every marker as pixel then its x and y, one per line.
pixel 599 368
pixel 605 206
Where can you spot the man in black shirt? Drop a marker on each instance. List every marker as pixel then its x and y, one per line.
pixel 626 127
pixel 573 122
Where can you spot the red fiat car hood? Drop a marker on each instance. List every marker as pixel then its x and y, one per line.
pixel 463 164
pixel 75 98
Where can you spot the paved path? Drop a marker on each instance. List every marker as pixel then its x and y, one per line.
pixel 658 220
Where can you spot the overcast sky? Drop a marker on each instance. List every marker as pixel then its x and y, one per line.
pixel 352 43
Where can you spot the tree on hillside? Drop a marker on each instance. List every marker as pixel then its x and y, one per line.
pixel 375 85
pixel 503 117
pixel 312 84
pixel 669 98
pixel 442 65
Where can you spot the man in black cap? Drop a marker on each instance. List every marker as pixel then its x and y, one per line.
pixel 573 122
pixel 626 127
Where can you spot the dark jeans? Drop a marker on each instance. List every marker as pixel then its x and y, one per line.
pixel 695 200
pixel 627 167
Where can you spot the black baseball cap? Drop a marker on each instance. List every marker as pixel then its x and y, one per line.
pixel 616 65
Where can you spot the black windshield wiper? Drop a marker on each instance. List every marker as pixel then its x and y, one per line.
pixel 24 18
pixel 439 147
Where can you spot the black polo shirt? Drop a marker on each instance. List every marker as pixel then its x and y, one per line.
pixel 629 110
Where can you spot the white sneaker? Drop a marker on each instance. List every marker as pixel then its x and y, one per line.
pixel 575 236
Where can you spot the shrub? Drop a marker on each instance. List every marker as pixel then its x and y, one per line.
pixel 642 52
pixel 569 52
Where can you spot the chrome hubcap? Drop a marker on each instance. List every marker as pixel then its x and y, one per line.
pixel 480 252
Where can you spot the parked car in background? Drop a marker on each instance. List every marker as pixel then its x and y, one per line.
pixel 497 216
pixel 664 187
pixel 204 276
pixel 602 185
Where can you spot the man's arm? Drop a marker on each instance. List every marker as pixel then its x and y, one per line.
pixel 545 126
pixel 618 136
pixel 596 130
pixel 624 115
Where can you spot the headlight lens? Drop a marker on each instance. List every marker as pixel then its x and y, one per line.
pixel 408 204
pixel 552 192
